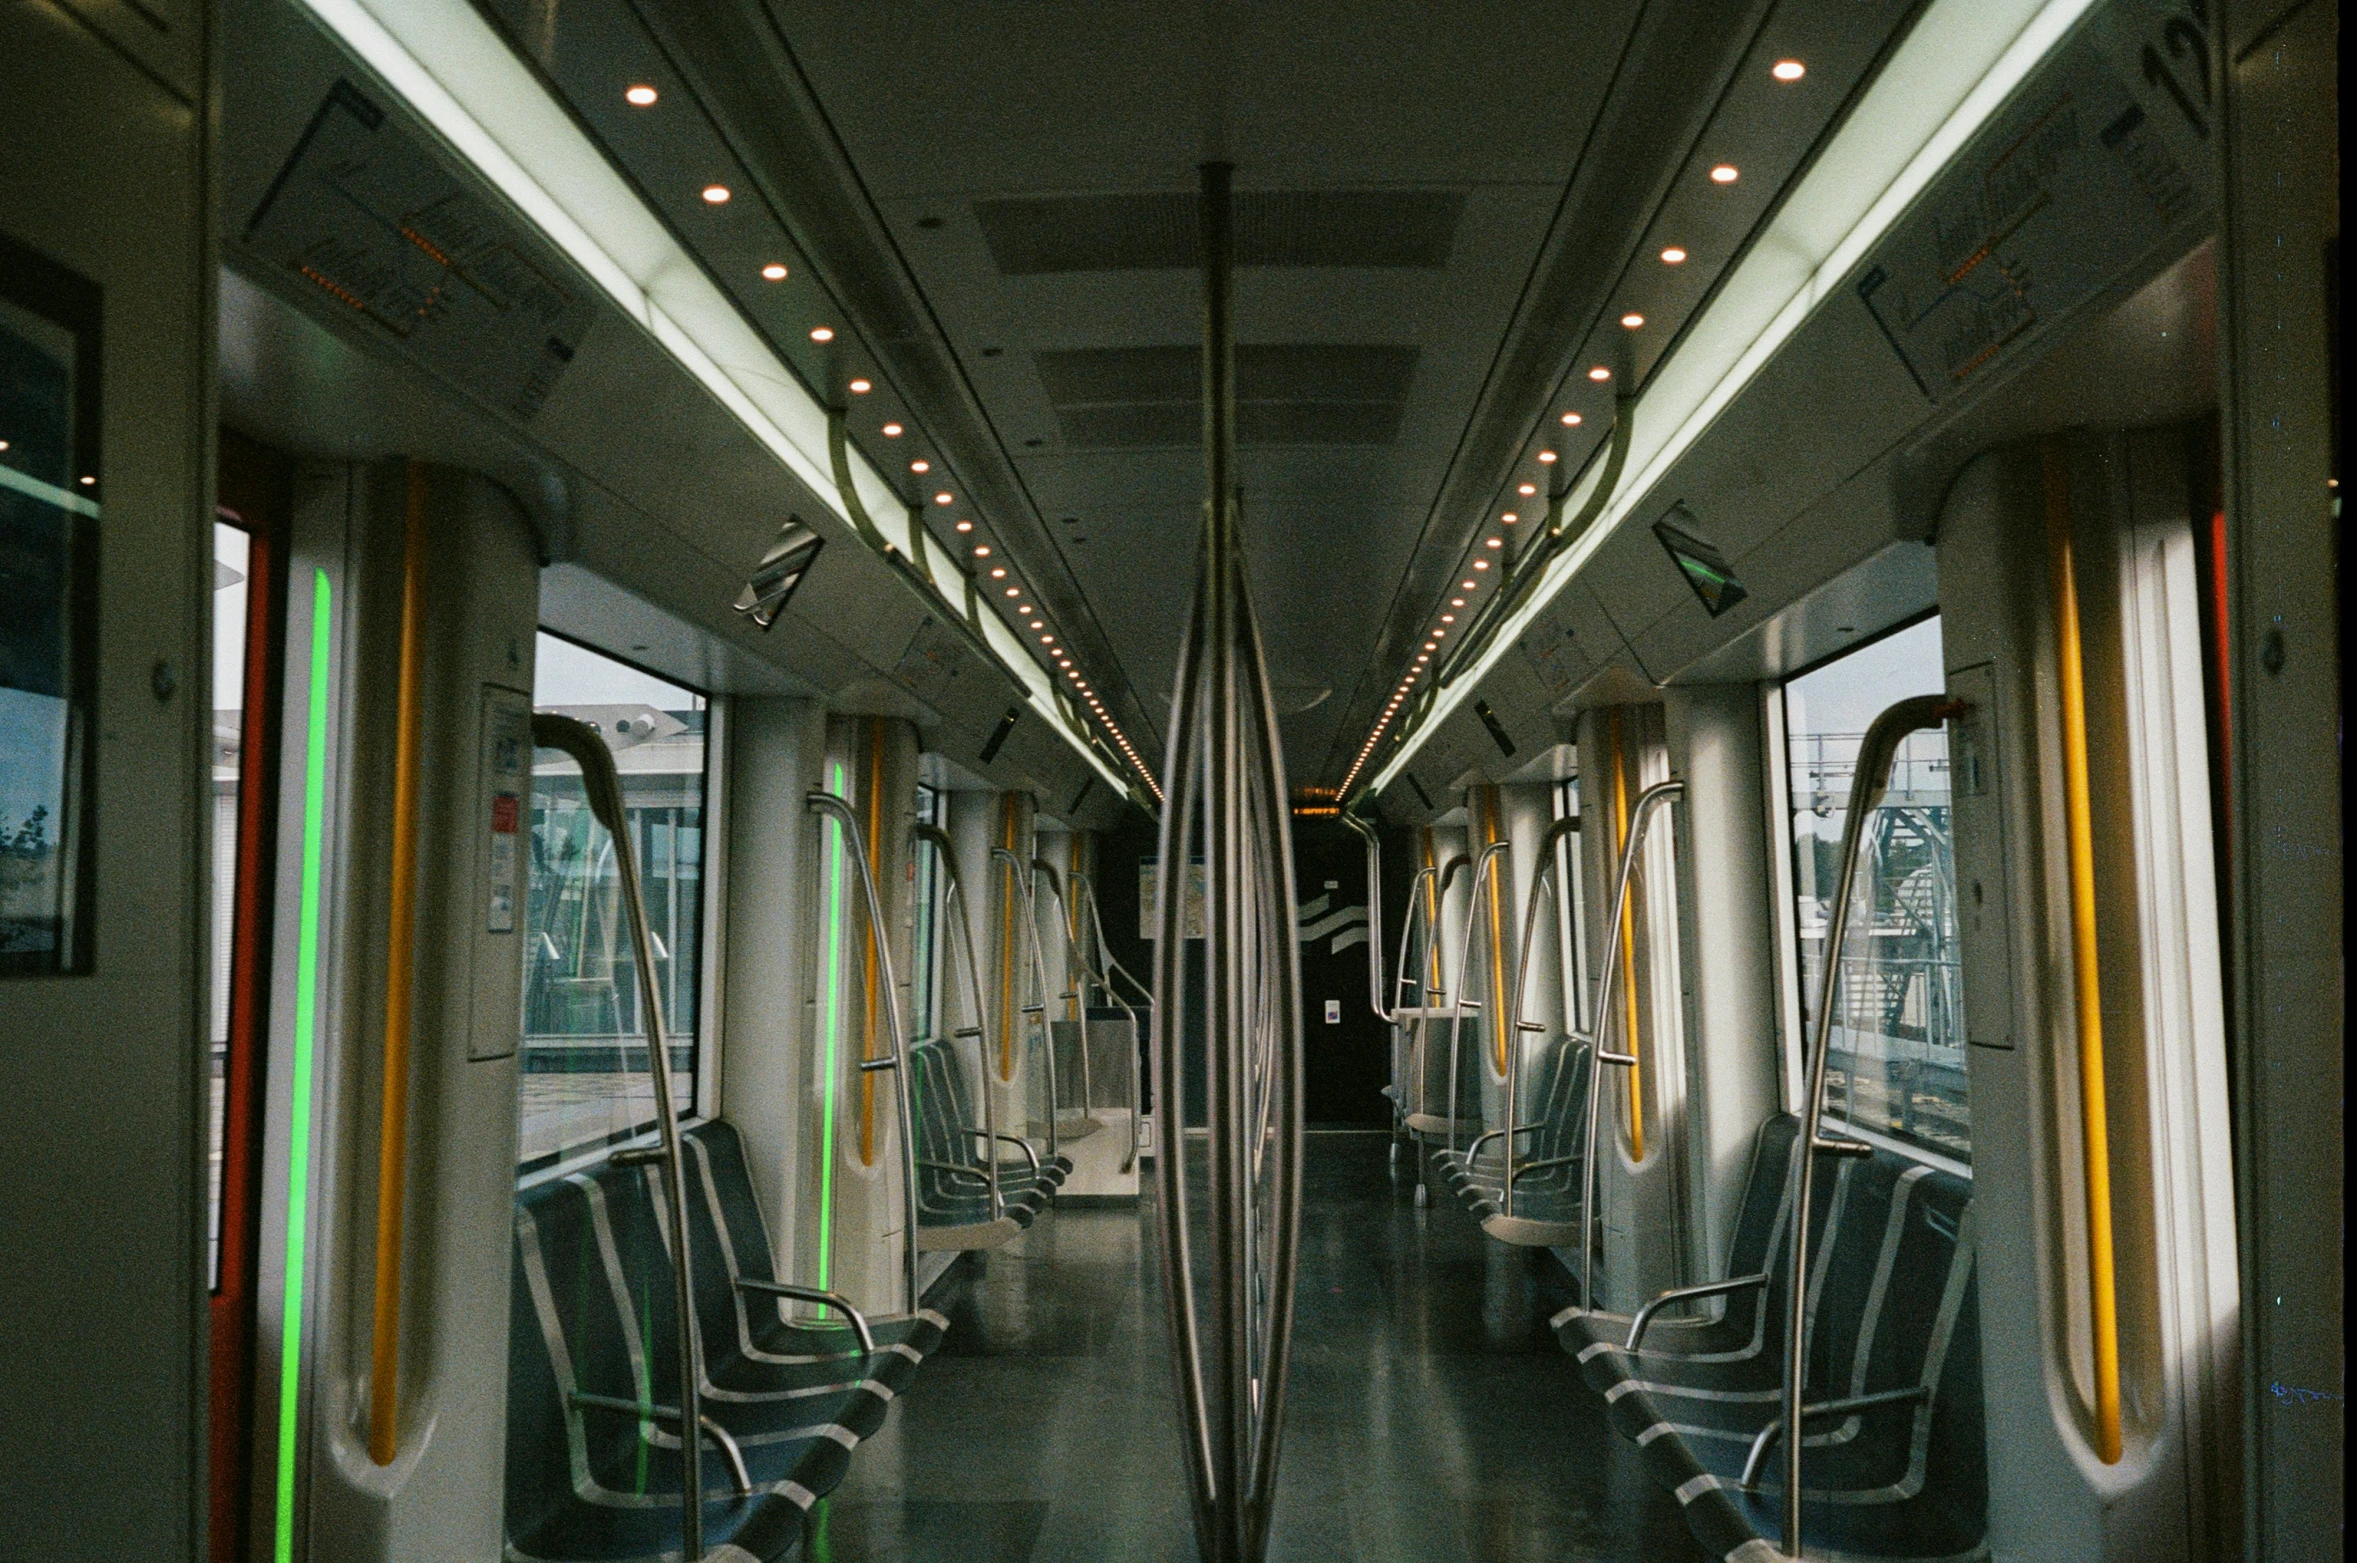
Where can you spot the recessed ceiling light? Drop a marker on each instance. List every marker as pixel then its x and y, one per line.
pixel 89 482
pixel 944 497
pixel 1428 645
pixel 920 466
pixel 861 387
pixel 1050 639
pixel 1458 602
pixel 1546 457
pixel 1448 618
pixel 1526 488
pixel 717 195
pixel 1571 420
pixel 639 97
pixel 1599 373
pixel 1014 591
pixel 1509 518
pixel 998 572
pixel 1470 585
pixel 892 431
pixel 1673 256
pixel 1481 564
pixel 773 272
pixel 1421 658
pixel 822 333
pixel 1631 321
pixel 965 526
pixel 1724 174
pixel 982 551
pixel 1788 70
pixel 1023 609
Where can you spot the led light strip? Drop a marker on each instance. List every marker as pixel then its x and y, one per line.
pixel 1958 65
pixel 453 71
pixel 832 832
pixel 298 1164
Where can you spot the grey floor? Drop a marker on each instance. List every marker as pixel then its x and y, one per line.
pixel 1431 1415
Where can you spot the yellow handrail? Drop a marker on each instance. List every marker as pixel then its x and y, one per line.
pixel 392 1165
pixel 2078 814
pixel 1628 945
pixel 1492 830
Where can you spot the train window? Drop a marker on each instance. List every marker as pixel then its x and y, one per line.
pixel 49 506
pixel 232 586
pixel 584 1080
pixel 1896 1065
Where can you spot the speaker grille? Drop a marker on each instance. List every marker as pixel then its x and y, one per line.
pixel 1305 393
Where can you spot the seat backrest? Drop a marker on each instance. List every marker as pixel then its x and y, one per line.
pixel 1928 1332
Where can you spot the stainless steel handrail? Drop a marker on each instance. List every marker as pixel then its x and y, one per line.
pixel 1085 892
pixel 1876 752
pixel 1225 785
pixel 1767 1436
pixel 601 784
pixel 1640 817
pixel 816 1294
pixel 1539 885
pixel 1457 1007
pixel 828 804
pixel 1366 833
pixel 1088 1086
pixel 672 1414
pixel 1021 873
pixel 1678 1294
pixel 953 898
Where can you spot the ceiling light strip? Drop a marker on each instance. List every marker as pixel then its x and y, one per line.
pixel 1959 63
pixel 461 78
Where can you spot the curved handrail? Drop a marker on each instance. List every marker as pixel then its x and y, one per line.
pixel 953 899
pixel 1540 884
pixel 1640 816
pixel 843 814
pixel 1869 779
pixel 601 784
pixel 1084 891
pixel 1088 1087
pixel 1481 872
pixel 1366 832
pixel 1021 873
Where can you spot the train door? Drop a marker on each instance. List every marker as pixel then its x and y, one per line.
pixel 105 737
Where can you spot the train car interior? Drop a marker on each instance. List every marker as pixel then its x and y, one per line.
pixel 1115 783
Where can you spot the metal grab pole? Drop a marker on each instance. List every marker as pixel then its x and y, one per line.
pixel 953 895
pixel 1085 891
pixel 827 803
pixel 1868 781
pixel 1088 1085
pixel 1481 873
pixel 1366 833
pixel 1530 920
pixel 1640 815
pixel 1039 968
pixel 602 785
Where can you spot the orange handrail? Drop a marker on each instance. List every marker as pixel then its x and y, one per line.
pixel 2078 815
pixel 392 1175
pixel 1628 946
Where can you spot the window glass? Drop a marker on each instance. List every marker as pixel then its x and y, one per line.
pixel 232 565
pixel 584 1075
pixel 49 506
pixel 1896 1053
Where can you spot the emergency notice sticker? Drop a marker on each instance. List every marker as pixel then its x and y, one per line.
pixel 507 754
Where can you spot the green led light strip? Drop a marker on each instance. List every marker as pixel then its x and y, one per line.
pixel 830 832
pixel 298 1166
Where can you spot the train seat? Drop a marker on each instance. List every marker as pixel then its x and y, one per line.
pixel 953 1163
pixel 589 1476
pixel 1547 1167
pixel 1892 1323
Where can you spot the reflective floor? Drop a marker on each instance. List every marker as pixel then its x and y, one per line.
pixel 1432 1415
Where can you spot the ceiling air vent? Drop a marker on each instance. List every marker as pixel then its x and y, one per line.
pixel 1034 235
pixel 1307 393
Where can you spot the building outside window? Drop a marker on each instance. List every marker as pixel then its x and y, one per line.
pixel 1896 1052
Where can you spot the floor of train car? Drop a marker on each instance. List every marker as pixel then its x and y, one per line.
pixel 1431 1415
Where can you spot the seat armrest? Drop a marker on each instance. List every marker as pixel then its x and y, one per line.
pixel 1679 1294
pixel 859 1322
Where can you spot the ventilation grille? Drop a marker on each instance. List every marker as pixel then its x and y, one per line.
pixel 1032 236
pixel 1138 398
